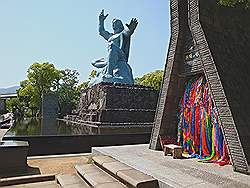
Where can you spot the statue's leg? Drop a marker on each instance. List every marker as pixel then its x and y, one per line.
pixel 112 59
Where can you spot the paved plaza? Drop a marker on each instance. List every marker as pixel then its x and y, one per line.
pixel 175 172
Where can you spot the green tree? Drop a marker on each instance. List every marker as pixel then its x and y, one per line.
pixel 81 86
pixel 43 78
pixel 92 74
pixel 67 90
pixel 233 3
pixel 16 106
pixel 152 79
pixel 84 85
pixel 29 97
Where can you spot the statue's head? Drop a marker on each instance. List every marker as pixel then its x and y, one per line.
pixel 117 26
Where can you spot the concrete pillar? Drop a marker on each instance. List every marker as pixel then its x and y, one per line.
pixel 50 108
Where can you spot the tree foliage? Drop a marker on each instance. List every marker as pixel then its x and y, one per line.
pixel 67 90
pixel 85 84
pixel 15 105
pixel 44 78
pixel 152 79
pixel 29 96
pixel 92 74
pixel 233 3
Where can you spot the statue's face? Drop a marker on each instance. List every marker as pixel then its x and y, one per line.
pixel 117 26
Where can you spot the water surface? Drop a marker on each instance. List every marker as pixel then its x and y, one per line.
pixel 39 127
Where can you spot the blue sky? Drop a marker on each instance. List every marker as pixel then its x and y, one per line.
pixel 65 33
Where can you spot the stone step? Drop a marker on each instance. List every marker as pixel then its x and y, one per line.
pixel 71 181
pixel 44 184
pixel 97 177
pixel 125 173
pixel 26 179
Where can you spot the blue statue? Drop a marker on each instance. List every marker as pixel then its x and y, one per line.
pixel 115 68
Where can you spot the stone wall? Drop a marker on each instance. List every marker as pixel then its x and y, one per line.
pixel 173 83
pixel 52 145
pixel 106 102
pixel 227 32
pixel 50 106
pixel 221 38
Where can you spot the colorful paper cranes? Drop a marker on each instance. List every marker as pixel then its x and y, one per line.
pixel 199 128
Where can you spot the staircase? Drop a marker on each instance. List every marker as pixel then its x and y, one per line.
pixel 106 172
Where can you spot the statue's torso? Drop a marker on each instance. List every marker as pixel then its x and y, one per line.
pixel 116 39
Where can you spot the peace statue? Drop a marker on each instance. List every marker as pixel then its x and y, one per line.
pixel 115 68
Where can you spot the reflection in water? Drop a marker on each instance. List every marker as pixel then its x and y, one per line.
pixel 80 129
pixel 53 127
pixel 48 126
pixel 38 127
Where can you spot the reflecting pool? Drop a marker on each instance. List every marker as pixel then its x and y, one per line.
pixel 39 127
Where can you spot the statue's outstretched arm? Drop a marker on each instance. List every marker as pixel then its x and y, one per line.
pixel 131 27
pixel 105 34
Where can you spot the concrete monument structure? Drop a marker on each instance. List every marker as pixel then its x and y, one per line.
pixel 211 41
pixel 50 109
pixel 113 104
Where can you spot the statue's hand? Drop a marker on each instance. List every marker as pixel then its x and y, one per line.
pixel 132 25
pixel 102 17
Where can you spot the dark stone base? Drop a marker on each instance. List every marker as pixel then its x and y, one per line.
pixel 54 145
pixel 80 127
pixel 106 98
pixel 109 108
pixel 13 156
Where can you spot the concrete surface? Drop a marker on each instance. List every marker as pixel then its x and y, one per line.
pixel 46 184
pixel 175 172
pixel 58 165
pixel 71 180
pixel 125 173
pixel 103 159
pixel 97 177
pixel 115 167
pixel 13 181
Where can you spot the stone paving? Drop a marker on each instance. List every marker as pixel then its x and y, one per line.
pixel 46 184
pixel 59 164
pixel 175 172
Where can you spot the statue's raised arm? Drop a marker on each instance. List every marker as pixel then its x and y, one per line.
pixel 105 34
pixel 131 27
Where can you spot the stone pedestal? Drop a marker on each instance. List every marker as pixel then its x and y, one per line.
pixel 50 106
pixel 2 106
pixel 13 156
pixel 50 109
pixel 115 108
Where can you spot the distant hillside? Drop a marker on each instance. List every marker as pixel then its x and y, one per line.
pixel 9 89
